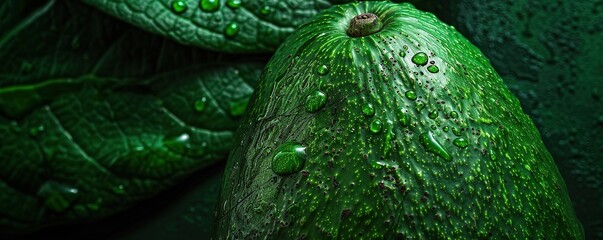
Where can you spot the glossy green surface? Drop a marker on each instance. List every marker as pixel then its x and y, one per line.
pixel 408 180
pixel 97 116
pixel 550 54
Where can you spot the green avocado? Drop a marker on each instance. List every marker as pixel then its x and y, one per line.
pixel 377 121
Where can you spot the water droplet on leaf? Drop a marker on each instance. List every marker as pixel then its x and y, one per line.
pixel 185 144
pixel 265 10
pixel 35 131
pixel 57 197
pixel 201 104
pixel 234 4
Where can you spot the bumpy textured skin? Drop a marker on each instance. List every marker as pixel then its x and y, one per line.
pixel 360 184
pixel 258 32
pixel 91 111
pixel 552 60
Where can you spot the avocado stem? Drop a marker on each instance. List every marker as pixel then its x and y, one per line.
pixel 364 24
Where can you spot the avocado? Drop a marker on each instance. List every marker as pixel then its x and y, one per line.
pixel 376 121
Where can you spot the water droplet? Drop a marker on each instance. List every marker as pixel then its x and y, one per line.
pixel 420 58
pixel 433 114
pixel 57 197
pixel 404 119
pixel 420 105
pixel 432 145
pixel 433 69
pixel 322 70
pixel 265 10
pixel 376 126
pixel 209 5
pixel 453 114
pixel 231 30
pixel 402 54
pixel 445 129
pixel 201 104
pixel 460 142
pixel 185 144
pixel 315 101
pixel 492 154
pixel 119 189
pixel 35 131
pixel 434 127
pixel 368 110
pixel 234 4
pixel 456 131
pixel 238 108
pixel 179 6
pixel 288 158
pixel 411 95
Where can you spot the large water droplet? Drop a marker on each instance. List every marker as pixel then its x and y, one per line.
pixel 368 109
pixel 57 197
pixel 179 6
pixel 231 30
pixel 288 158
pixel 315 101
pixel 411 95
pixel 460 142
pixel 234 4
pixel 322 69
pixel 420 58
pixel 201 104
pixel 238 108
pixel 376 126
pixel 432 145
pixel 209 5
pixel 433 69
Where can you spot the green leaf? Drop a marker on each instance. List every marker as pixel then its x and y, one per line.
pixel 96 115
pixel 261 25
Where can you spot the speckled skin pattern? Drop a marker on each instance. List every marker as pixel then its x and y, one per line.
pixel 405 177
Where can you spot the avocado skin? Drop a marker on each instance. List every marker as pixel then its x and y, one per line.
pixel 358 183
